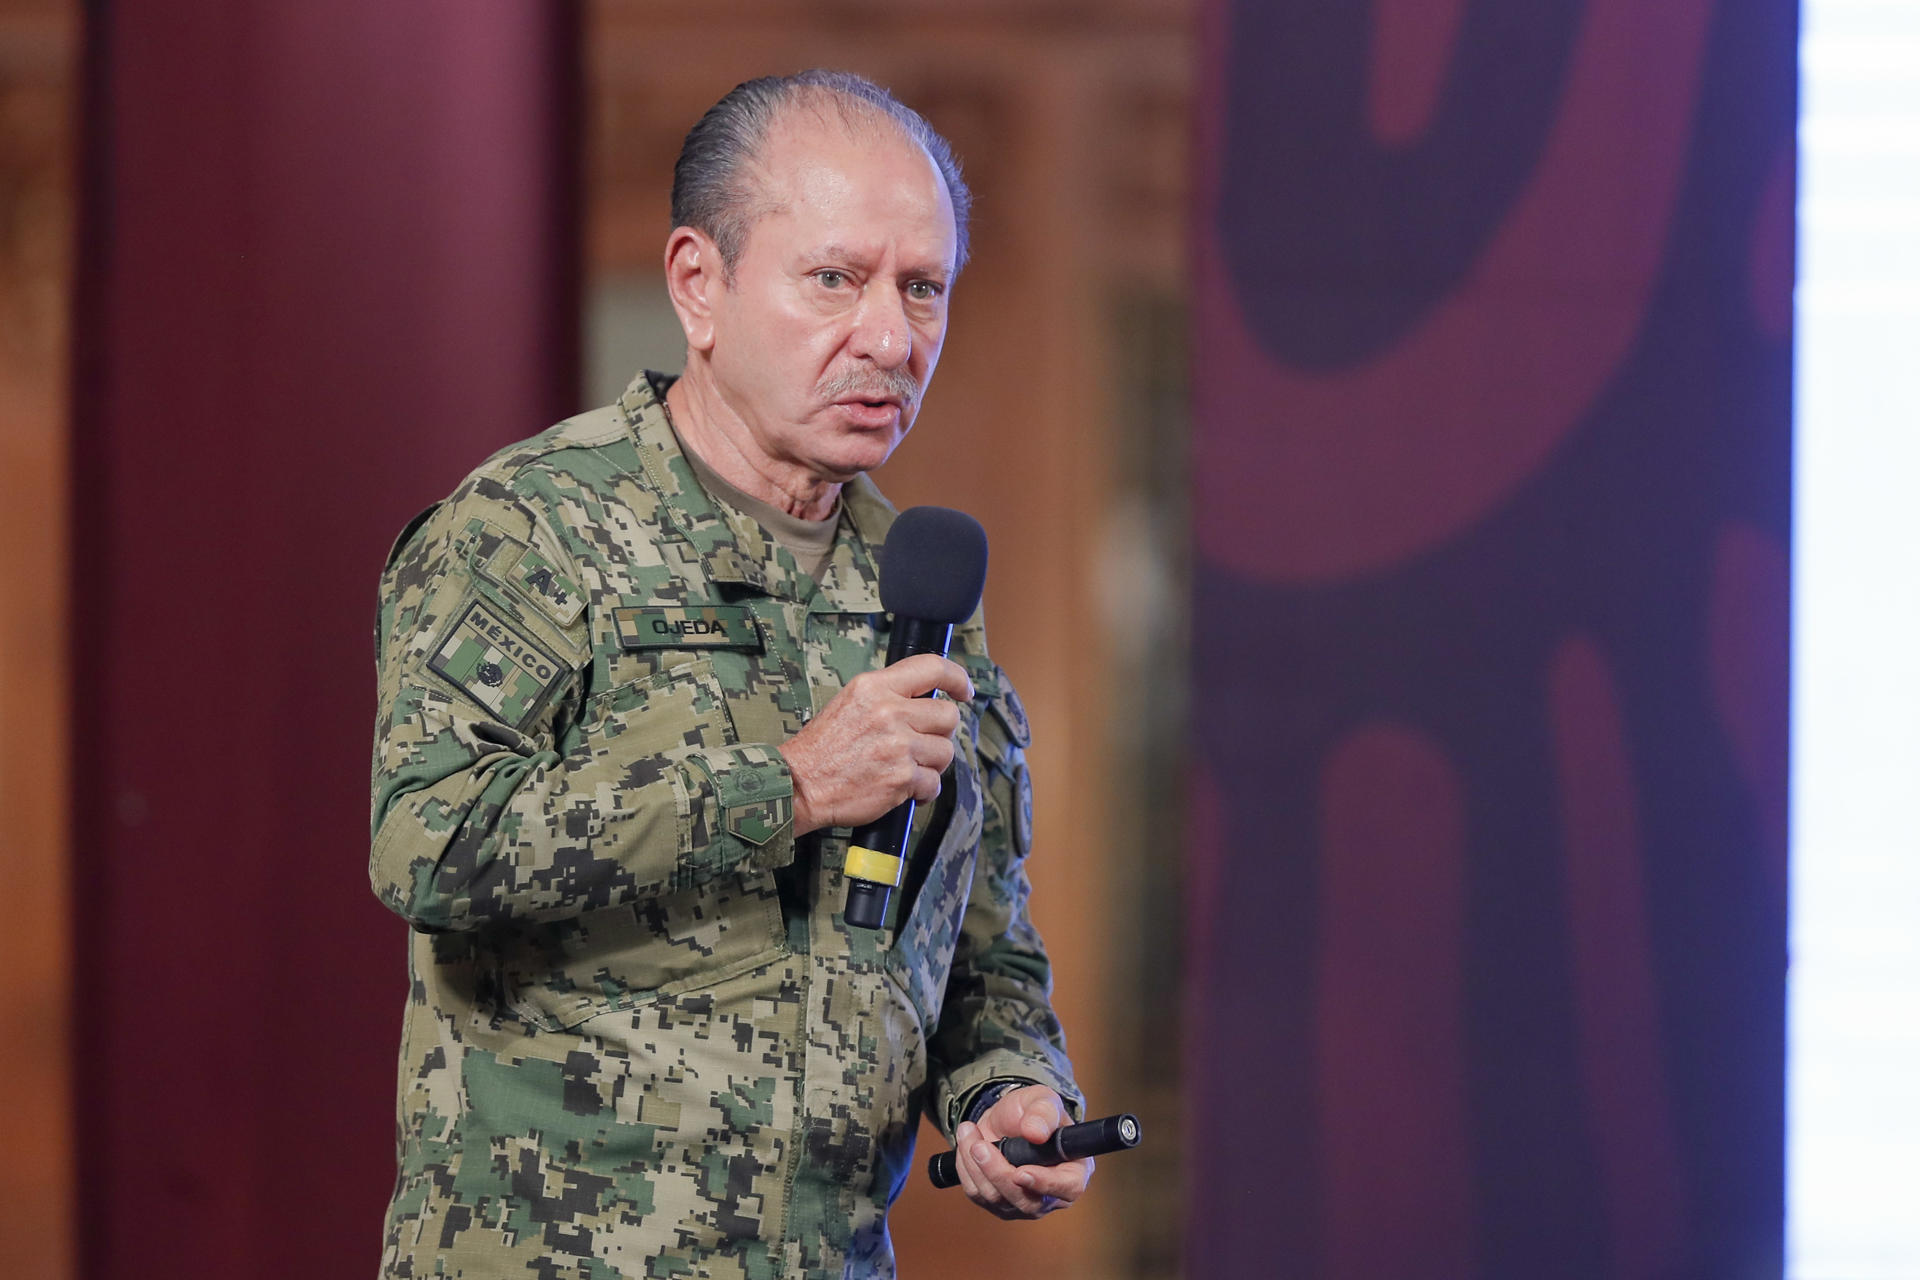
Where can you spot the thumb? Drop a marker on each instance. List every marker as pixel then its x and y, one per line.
pixel 1043 1116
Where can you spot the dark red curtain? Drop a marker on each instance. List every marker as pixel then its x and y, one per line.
pixel 327 263
pixel 1492 355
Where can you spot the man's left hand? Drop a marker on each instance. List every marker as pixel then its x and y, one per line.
pixel 1022 1191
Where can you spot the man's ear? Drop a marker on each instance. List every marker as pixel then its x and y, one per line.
pixel 695 279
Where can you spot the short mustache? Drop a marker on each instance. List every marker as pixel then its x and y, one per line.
pixel 872 384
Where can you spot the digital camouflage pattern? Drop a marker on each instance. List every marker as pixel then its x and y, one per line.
pixel 641 1040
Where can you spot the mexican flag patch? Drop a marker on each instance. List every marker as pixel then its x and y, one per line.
pixel 497 665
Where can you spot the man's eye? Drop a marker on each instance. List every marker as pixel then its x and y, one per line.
pixel 830 279
pixel 923 290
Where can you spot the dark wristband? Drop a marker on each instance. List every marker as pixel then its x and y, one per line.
pixel 990 1093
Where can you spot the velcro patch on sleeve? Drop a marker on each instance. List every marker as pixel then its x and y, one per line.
pixel 713 626
pixel 530 575
pixel 556 593
pixel 497 665
pixel 1012 713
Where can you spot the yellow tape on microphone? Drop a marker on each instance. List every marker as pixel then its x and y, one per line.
pixel 874 866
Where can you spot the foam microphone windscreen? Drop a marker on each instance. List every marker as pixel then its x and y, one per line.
pixel 934 565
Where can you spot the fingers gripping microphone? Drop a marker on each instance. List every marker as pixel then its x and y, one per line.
pixel 1073 1142
pixel 932 570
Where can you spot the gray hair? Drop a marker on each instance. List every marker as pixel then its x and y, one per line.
pixel 714 193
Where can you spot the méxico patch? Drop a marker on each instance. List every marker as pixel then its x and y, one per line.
pixel 495 664
pixel 710 626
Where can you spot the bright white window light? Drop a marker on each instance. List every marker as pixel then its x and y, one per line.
pixel 1853 1130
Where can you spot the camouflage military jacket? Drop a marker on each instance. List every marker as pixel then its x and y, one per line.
pixel 641 1040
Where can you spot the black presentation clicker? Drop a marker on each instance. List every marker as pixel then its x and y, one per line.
pixel 1071 1142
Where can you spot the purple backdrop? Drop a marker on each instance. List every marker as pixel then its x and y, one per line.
pixel 327 264
pixel 1492 353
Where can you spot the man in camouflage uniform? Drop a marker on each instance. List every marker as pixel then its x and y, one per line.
pixel 632 700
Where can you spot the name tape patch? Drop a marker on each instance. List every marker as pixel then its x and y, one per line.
pixel 496 665
pixel 715 626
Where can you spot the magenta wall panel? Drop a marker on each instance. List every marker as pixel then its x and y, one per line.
pixel 327 263
pixel 1492 358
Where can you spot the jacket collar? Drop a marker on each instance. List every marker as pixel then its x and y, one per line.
pixel 727 546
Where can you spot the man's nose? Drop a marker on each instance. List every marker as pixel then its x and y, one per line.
pixel 880 330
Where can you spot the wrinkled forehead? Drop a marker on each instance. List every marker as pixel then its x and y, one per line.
pixel 823 160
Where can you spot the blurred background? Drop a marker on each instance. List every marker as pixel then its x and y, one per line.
pixel 1384 417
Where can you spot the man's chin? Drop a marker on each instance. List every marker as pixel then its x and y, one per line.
pixel 858 452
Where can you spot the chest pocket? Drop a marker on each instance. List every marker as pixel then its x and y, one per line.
pixel 666 681
pixel 678 675
pixel 662 711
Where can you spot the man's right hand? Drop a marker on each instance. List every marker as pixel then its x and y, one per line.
pixel 876 743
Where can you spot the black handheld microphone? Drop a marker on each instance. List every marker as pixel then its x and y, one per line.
pixel 1071 1142
pixel 932 570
